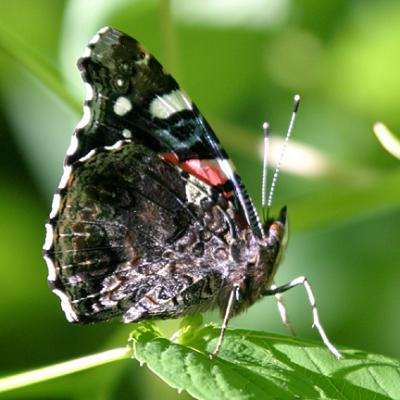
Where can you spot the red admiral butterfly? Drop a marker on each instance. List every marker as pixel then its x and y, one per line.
pixel 150 220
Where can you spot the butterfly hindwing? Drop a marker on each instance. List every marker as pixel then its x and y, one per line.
pixel 128 242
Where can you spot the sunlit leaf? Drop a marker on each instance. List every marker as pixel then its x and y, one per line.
pixel 258 365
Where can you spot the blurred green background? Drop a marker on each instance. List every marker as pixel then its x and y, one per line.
pixel 241 62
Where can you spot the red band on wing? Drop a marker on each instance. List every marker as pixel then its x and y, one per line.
pixel 208 171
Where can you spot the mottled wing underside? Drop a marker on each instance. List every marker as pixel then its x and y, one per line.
pixel 127 242
pixel 148 205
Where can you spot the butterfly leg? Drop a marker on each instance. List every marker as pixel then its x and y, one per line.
pixel 301 280
pixel 282 311
pixel 234 295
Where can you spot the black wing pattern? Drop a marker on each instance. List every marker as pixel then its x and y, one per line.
pixel 129 95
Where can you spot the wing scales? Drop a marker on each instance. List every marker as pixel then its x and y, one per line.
pixel 114 268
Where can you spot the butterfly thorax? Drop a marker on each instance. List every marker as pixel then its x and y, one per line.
pixel 256 274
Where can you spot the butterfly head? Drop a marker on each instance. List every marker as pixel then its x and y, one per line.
pixel 276 233
pixel 275 228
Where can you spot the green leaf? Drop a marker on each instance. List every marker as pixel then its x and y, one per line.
pixel 258 365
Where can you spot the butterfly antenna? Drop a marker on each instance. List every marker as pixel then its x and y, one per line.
pixel 296 103
pixel 265 171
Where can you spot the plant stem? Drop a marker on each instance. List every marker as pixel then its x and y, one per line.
pixel 64 368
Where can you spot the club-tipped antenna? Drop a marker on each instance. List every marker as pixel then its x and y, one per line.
pixel 296 103
pixel 265 170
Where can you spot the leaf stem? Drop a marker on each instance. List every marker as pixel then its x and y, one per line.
pixel 65 368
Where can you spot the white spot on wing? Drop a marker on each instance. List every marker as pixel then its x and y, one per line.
pixel 86 117
pixel 55 205
pixel 122 106
pixel 104 29
pixel 95 38
pixel 126 133
pixel 87 53
pixel 168 104
pixel 65 177
pixel 115 146
pixel 66 306
pixel 89 92
pixel 49 237
pixel 52 275
pixel 73 146
pixel 88 155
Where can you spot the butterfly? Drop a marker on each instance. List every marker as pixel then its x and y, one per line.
pixel 150 219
